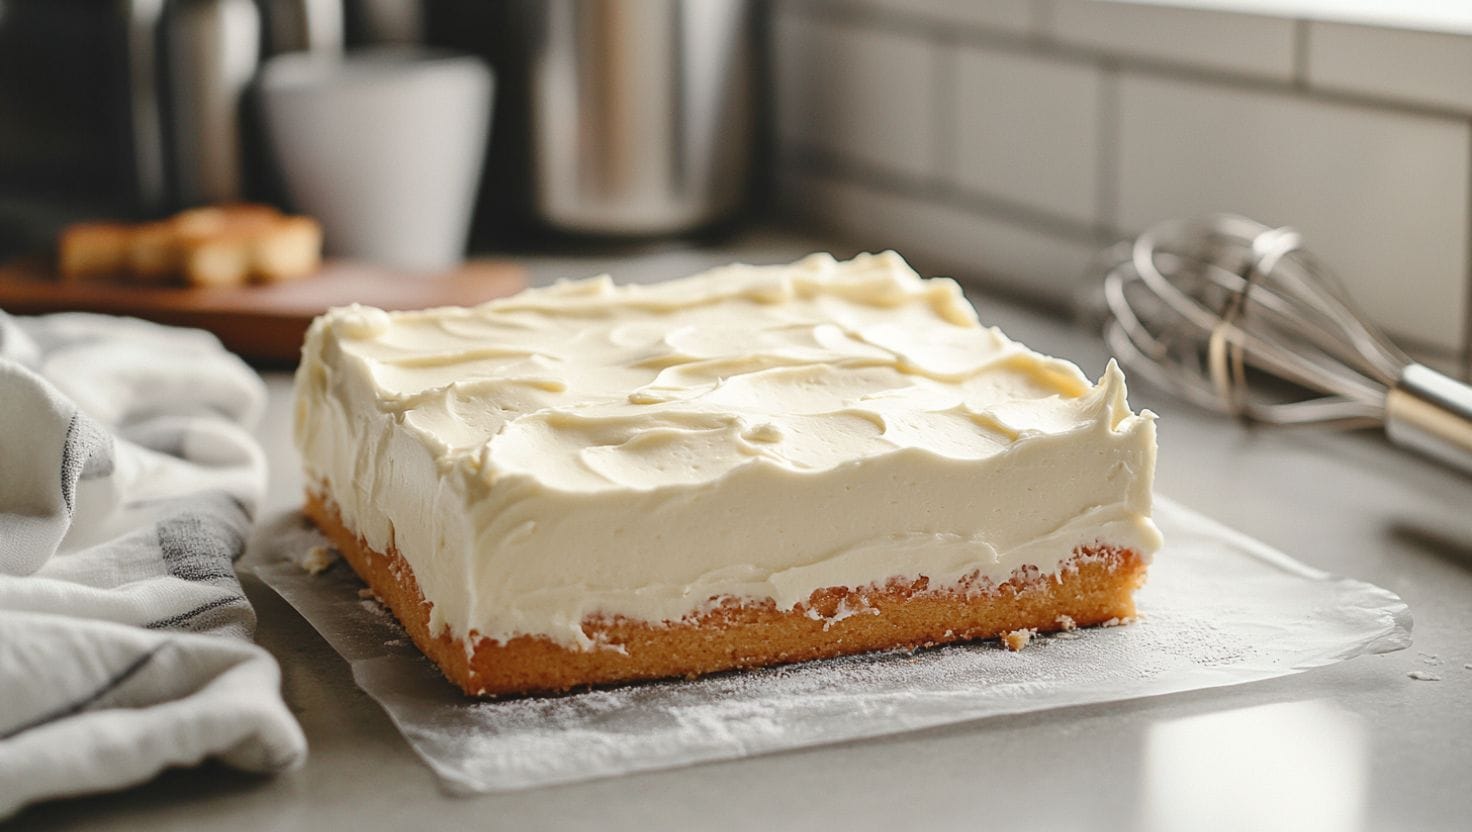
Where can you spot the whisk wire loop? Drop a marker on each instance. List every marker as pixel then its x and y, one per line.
pixel 1234 316
pixel 1212 303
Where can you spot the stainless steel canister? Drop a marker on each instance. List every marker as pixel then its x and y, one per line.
pixel 641 113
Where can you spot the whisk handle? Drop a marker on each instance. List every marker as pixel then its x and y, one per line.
pixel 1431 413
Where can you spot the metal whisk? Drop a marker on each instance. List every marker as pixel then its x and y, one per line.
pixel 1223 310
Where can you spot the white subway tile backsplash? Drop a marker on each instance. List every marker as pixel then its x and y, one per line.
pixel 942 238
pixel 1381 196
pixel 1027 130
pixel 863 95
pixel 1428 68
pixel 1013 16
pixel 992 156
pixel 1211 40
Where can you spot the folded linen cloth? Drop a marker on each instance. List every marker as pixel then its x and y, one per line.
pixel 128 481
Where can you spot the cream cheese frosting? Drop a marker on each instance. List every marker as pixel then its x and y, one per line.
pixel 756 432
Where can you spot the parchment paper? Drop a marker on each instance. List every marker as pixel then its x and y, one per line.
pixel 1219 609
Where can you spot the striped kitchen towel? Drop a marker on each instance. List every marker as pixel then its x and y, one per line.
pixel 128 481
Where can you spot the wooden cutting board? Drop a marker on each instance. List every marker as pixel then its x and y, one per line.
pixel 262 323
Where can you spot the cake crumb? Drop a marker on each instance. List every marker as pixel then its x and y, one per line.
pixel 371 602
pixel 1430 659
pixel 1018 639
pixel 1423 676
pixel 1067 623
pixel 1117 622
pixel 318 560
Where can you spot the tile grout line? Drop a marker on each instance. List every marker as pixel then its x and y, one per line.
pixel 1301 36
pixel 1108 153
pixel 1040 15
pixel 1466 368
pixel 945 144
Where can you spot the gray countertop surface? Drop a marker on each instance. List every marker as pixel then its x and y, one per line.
pixel 1356 745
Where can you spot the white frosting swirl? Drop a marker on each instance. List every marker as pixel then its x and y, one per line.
pixel 755 432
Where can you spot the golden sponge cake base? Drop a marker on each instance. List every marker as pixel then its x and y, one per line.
pixel 1095 586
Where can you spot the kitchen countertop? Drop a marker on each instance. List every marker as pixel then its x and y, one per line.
pixel 1356 745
